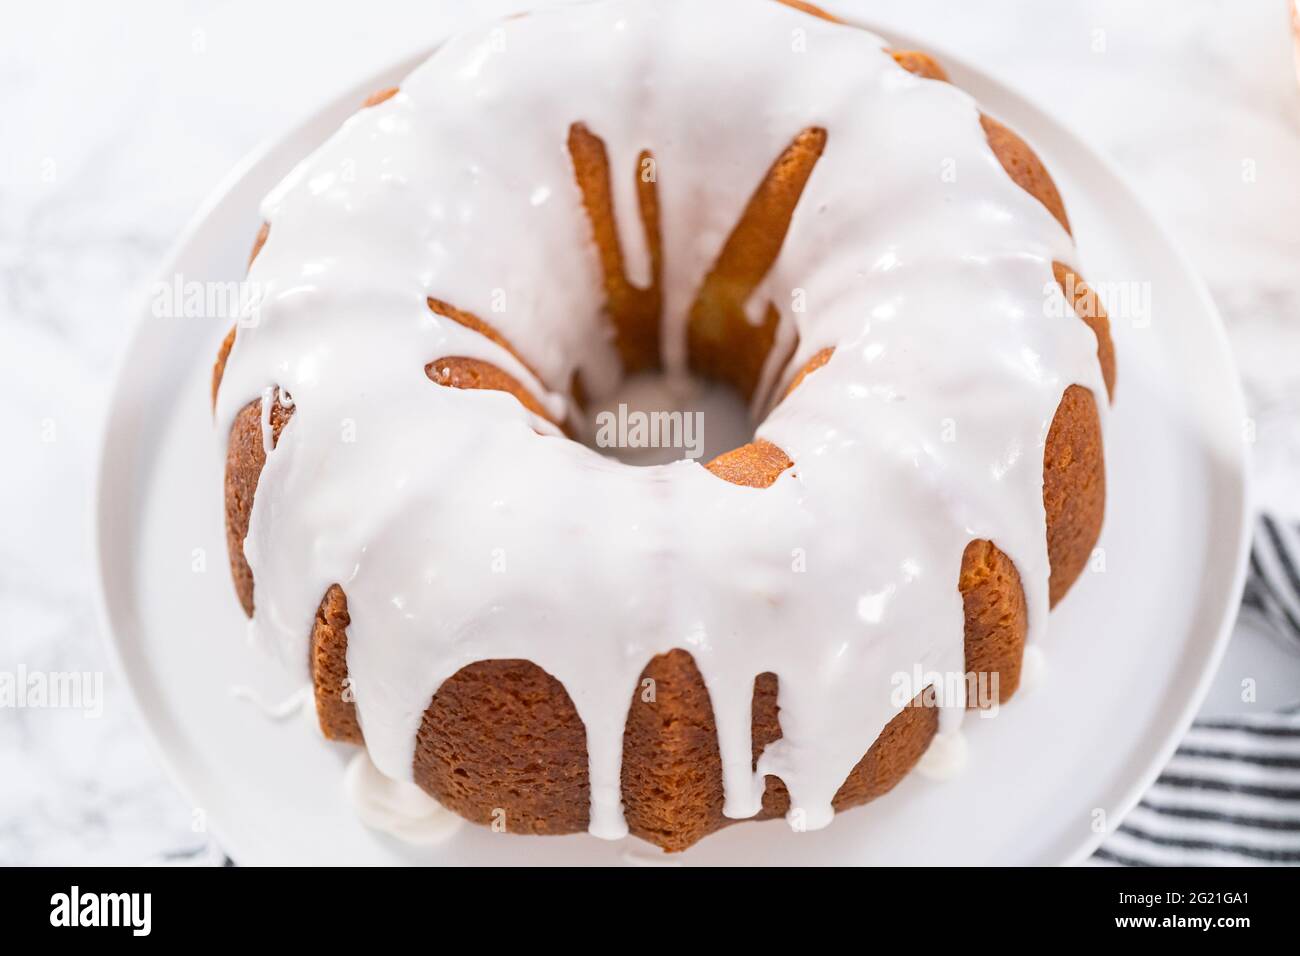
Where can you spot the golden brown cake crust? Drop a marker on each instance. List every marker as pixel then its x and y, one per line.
pixel 245 456
pixel 501 743
pixel 456 371
pixel 1087 306
pixel 328 657
pixel 721 341
pixel 1074 488
pixel 632 311
pixel 1023 165
pixel 472 321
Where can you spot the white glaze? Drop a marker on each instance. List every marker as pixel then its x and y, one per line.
pixel 1033 669
pixel 278 710
pixel 396 807
pixel 946 756
pixel 462 528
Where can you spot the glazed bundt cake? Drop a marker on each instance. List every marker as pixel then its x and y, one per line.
pixel 742 191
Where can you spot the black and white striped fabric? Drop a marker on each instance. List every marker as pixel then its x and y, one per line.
pixel 1231 794
pixel 1273 587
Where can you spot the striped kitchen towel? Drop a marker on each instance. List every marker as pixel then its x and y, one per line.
pixel 1231 794
pixel 1273 586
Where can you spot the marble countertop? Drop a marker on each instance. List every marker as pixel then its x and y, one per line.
pixel 118 125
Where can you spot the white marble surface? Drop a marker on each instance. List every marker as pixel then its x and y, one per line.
pixel 118 121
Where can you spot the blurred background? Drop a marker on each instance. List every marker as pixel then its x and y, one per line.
pixel 119 119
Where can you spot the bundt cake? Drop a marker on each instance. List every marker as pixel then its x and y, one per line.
pixel 745 191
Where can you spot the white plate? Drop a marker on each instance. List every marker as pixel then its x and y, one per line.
pixel 1129 655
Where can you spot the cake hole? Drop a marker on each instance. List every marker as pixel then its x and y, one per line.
pixel 654 419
